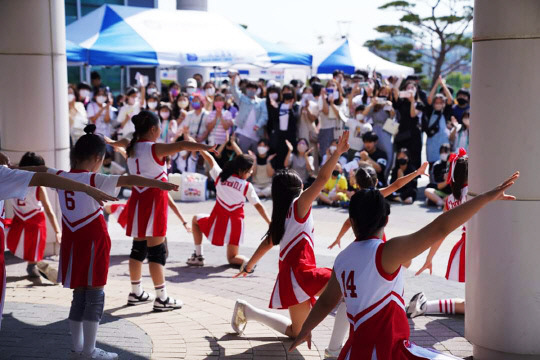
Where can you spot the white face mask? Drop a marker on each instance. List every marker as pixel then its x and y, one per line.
pixel 262 150
pixel 133 101
pixel 101 99
pixel 360 117
pixel 273 96
pixel 333 149
pixel 164 114
pixel 210 91
pixel 444 157
pixel 84 93
pixel 151 91
pixel 190 90
pixel 71 97
pixel 183 104
pixel 152 105
pixel 302 147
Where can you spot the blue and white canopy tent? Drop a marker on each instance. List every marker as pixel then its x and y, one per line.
pixel 75 53
pixel 348 56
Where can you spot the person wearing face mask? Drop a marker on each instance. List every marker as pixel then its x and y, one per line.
pixel 191 86
pixel 459 135
pixel 406 194
pixel 301 161
pixel 330 151
pixel 435 121
pixel 77 115
pixel 152 103
pixel 409 134
pixel 463 98
pixel 197 119
pixel 282 125
pixel 307 124
pixel 172 92
pixel 437 190
pixel 131 108
pixel 252 114
pixel 152 89
pixel 261 178
pixel 220 121
pixel 169 126
pixel 376 157
pixel 85 93
pixel 101 113
pixel 379 111
pixel 357 126
pixel 209 91
pixel 331 106
pixel 180 108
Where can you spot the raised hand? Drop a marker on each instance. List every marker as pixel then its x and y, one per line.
pixel 422 170
pixel 343 143
pixel 289 145
pixel 498 193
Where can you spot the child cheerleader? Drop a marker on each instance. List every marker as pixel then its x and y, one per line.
pixel 457 178
pixel 299 279
pixel 366 177
pixel 85 247
pixel 27 234
pixel 225 225
pixel 368 275
pixel 15 185
pixel 147 208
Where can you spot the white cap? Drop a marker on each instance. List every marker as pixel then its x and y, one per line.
pixel 191 82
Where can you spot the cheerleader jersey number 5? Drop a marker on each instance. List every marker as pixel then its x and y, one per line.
pixel 79 209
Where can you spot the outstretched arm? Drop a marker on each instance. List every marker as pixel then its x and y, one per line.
pixel 209 159
pixel 404 180
pixel 326 303
pixel 135 180
pixel 163 150
pixel 400 250
pixel 117 144
pixel 264 247
pixel 308 196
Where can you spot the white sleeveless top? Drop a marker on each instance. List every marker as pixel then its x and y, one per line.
pixel 14 186
pixel 365 286
pixel 79 209
pixel 29 206
pixel 144 162
pixel 296 230
pixel 232 193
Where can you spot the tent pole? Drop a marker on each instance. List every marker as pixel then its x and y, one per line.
pixel 158 79
pixel 127 77
pixel 122 85
pixel 88 73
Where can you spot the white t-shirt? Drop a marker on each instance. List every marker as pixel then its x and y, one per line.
pixel 356 130
pixel 247 130
pixel 129 128
pixel 284 117
pixel 14 183
pixel 196 123
pixel 102 127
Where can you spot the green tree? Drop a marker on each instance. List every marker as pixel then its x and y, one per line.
pixel 443 30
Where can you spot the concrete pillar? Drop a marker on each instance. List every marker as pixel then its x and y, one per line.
pixel 33 83
pixel 503 287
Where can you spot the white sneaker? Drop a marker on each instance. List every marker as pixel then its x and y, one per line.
pixel 239 321
pixel 417 305
pixel 167 304
pixel 331 354
pixel 101 354
pixel 141 299
pixel 195 260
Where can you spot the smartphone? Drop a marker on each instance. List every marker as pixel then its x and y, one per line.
pixel 405 94
pixel 381 101
pixel 329 91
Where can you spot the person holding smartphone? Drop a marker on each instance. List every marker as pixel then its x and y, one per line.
pixel 101 112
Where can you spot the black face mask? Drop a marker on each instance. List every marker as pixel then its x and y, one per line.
pixel 462 101
pixel 335 173
pixel 402 161
pixel 288 96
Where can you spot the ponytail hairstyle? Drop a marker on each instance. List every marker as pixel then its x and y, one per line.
pixel 236 166
pixel 88 146
pixel 368 212
pixel 143 121
pixel 458 172
pixel 286 186
pixel 366 176
pixel 31 159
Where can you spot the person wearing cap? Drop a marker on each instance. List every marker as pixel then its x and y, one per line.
pixel 197 119
pixel 374 156
pixel 191 86
pixel 252 115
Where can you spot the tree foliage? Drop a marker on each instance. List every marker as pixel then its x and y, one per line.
pixel 424 42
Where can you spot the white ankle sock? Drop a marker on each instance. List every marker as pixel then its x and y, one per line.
pixel 275 321
pixel 136 287
pixel 198 249
pixel 161 292
pixel 90 333
pixel 341 326
pixel 76 328
pixel 443 306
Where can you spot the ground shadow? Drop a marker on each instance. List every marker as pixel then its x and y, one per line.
pixel 448 327
pixel 185 274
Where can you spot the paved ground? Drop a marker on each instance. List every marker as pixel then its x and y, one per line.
pixel 201 330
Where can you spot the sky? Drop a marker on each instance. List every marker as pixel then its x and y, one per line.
pixel 301 22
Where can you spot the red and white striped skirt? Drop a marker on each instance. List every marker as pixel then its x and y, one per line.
pixel 456 262
pixel 2 270
pixel 147 213
pixel 223 227
pixel 26 239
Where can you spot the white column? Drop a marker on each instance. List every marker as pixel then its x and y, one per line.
pixel 33 82
pixel 503 245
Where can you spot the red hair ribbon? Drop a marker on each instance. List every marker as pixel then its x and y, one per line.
pixel 452 159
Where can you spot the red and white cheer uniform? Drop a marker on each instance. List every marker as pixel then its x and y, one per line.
pixel 225 225
pixel 299 279
pixel 13 185
pixel 27 233
pixel 147 207
pixel 85 248
pixel 456 262
pixel 375 307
